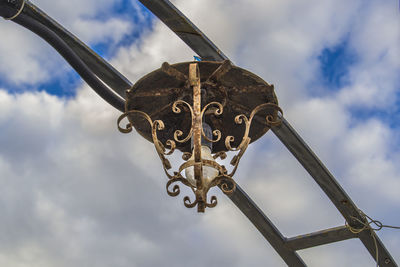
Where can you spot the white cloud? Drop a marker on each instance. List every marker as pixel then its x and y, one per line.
pixel 100 31
pixel 160 45
pixel 14 51
pixel 377 42
pixel 372 145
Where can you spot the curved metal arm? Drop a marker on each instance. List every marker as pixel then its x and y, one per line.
pixel 14 9
pixel 69 55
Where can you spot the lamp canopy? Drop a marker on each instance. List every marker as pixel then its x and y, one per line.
pixel 238 90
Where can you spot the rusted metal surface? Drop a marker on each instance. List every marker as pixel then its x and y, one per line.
pixel 174 73
pixel 239 92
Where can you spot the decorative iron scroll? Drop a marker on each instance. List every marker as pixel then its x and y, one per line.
pixel 224 179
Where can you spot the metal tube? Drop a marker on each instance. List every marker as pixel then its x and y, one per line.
pixel 68 54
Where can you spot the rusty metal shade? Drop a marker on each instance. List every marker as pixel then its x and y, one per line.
pixel 238 90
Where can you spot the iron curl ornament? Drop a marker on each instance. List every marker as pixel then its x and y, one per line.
pixel 200 170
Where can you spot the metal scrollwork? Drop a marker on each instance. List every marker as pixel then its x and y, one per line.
pixel 218 111
pixel 188 203
pixel 239 119
pixel 271 120
pixel 157 125
pixel 221 155
pixel 176 190
pixel 177 110
pixel 213 202
pixel 226 183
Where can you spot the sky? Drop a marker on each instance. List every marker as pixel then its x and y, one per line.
pixel 76 192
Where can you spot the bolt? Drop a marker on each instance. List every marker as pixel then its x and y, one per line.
pixel 387 261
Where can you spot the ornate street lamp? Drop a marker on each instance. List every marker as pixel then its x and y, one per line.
pixel 231 107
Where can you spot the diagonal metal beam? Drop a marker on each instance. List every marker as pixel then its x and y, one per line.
pixel 296 145
pixel 185 29
pixel 265 226
pixel 319 238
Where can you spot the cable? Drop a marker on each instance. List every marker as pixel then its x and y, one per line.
pixel 366 225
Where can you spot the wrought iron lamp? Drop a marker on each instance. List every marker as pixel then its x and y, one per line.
pixel 230 108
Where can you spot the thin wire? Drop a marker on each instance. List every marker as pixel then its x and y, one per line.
pixel 366 223
pixel 19 11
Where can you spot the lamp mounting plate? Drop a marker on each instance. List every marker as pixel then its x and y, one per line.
pixel 238 90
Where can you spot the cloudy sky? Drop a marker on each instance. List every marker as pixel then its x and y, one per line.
pixel 76 192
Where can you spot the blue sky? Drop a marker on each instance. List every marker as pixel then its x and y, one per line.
pixel 335 63
pixel 70 182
